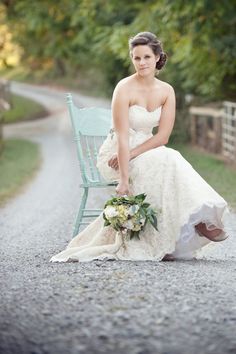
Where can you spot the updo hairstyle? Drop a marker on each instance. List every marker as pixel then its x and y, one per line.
pixel 148 38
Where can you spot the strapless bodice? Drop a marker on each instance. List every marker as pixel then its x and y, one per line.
pixel 141 124
pixel 140 119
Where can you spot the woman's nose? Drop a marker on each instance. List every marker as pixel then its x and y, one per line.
pixel 142 61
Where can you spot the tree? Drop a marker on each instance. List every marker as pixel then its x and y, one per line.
pixel 199 38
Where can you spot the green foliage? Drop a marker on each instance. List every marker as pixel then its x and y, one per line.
pixel 204 49
pixel 129 200
pixel 129 214
pixel 18 163
pixel 66 36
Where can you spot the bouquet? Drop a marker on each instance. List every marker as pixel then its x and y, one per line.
pixel 129 214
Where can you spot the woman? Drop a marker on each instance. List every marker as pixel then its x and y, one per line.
pixel 191 214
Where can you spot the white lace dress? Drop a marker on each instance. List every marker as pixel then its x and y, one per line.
pixel 181 196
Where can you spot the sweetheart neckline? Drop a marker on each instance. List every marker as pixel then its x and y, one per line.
pixel 137 105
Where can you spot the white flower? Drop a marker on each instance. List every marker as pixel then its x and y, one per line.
pixel 133 209
pixel 137 227
pixel 129 225
pixel 142 221
pixel 110 212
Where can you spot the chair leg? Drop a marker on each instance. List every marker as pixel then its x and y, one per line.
pixel 80 213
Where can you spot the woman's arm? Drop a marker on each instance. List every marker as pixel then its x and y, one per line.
pixel 120 114
pixel 165 127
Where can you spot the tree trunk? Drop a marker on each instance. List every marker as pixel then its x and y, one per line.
pixel 60 67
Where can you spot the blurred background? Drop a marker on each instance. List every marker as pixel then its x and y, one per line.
pixel 83 45
pixel 81 39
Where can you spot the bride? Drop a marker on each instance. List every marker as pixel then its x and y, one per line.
pixel 191 213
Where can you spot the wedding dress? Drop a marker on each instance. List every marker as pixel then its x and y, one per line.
pixel 180 195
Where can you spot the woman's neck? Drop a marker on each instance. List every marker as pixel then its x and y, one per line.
pixel 146 81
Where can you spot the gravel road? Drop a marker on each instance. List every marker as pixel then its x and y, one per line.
pixel 99 307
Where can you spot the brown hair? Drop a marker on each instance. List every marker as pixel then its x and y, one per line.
pixel 148 38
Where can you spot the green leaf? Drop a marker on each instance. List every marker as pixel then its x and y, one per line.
pixel 155 222
pixel 140 197
pixel 142 212
pixel 145 205
pixel 134 234
pixel 107 223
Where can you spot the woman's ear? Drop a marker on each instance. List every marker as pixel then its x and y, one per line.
pixel 157 58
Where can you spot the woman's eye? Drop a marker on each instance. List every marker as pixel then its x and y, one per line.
pixel 146 57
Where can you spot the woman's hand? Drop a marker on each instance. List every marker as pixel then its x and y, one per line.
pixel 122 188
pixel 113 162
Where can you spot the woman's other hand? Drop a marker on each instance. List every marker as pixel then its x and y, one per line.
pixel 113 162
pixel 122 188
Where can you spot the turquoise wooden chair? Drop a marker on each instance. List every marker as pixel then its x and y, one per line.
pixel 90 128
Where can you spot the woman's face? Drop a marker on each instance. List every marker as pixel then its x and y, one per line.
pixel 144 60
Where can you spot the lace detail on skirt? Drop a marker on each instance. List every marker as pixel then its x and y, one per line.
pixel 181 196
pixel 182 199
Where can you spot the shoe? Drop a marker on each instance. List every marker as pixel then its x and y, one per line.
pixel 168 258
pixel 218 238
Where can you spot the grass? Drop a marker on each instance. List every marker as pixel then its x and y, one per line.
pixel 220 176
pixel 19 161
pixel 23 109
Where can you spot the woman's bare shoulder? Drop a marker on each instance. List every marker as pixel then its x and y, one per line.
pixel 165 85
pixel 125 84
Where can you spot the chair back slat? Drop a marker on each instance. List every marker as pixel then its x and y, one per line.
pixel 95 151
pixel 90 157
pixel 90 127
